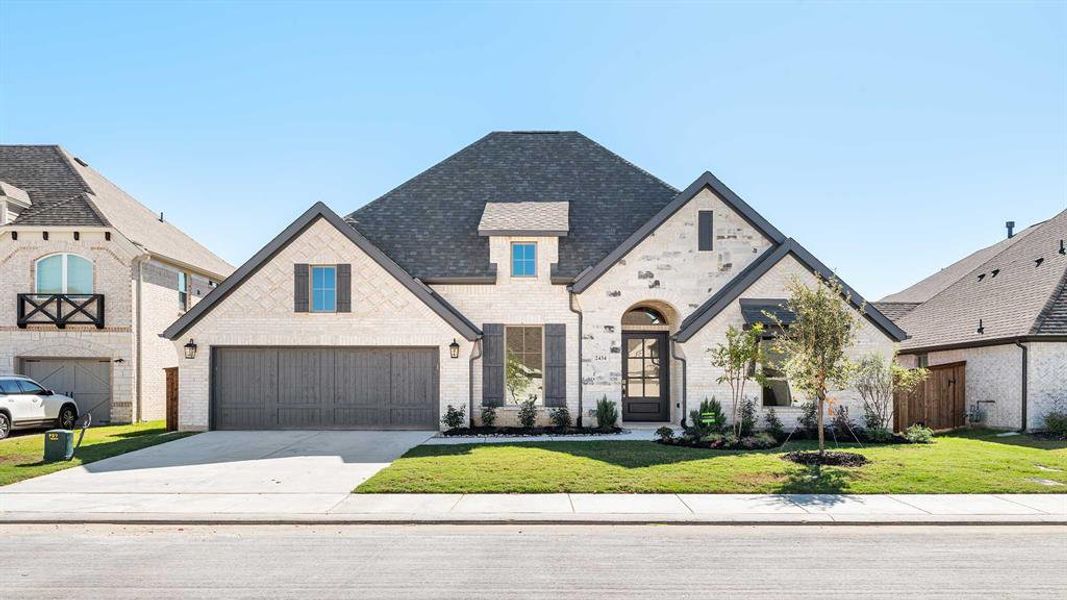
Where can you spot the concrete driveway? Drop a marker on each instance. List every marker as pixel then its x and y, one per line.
pixel 220 471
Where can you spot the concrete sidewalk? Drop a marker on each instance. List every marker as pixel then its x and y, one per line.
pixel 534 508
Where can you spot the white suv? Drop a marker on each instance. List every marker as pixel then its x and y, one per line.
pixel 25 403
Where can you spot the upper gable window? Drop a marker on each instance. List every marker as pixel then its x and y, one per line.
pixel 324 289
pixel 705 221
pixel 183 290
pixel 524 259
pixel 64 274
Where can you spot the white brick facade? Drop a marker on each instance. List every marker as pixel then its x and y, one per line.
pixel 116 268
pixel 666 271
pixel 260 312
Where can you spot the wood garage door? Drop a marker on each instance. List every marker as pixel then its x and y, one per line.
pixel 325 388
pixel 88 381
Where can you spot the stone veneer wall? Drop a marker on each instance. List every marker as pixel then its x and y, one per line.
pixel 668 272
pixel 260 312
pixel 702 376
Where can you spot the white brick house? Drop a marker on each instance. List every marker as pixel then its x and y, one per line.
pixel 538 251
pixel 1003 311
pixel 89 278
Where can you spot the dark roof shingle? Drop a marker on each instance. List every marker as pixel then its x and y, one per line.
pixel 429 224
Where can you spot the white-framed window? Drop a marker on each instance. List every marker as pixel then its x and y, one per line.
pixel 776 390
pixel 183 290
pixel 324 288
pixel 524 259
pixel 524 371
pixel 64 274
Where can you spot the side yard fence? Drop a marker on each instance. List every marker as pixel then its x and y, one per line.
pixel 939 402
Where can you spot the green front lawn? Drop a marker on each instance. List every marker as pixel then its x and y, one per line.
pixel 962 462
pixel 21 454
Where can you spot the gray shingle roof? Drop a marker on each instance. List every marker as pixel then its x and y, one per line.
pixel 55 187
pixel 66 192
pixel 936 283
pixel 1053 319
pixel 1012 295
pixel 755 310
pixel 895 310
pixel 429 224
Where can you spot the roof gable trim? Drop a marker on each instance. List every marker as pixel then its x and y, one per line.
pixel 705 181
pixel 320 211
pixel 737 286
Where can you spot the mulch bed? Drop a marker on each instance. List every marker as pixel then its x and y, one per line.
pixel 524 432
pixel 834 459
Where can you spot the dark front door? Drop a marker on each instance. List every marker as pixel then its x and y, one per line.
pixel 645 376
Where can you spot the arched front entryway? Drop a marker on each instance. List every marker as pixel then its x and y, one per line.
pixel 646 362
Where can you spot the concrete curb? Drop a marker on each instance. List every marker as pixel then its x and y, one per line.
pixel 530 519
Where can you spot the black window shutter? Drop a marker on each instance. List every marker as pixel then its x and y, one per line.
pixel 704 230
pixel 493 364
pixel 555 364
pixel 344 288
pixel 301 288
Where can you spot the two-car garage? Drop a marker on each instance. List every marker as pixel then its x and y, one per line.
pixel 271 387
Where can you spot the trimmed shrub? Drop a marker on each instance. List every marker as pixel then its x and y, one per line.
pixel 919 434
pixel 488 416
pixel 560 416
pixel 746 414
pixel 527 414
pixel 809 418
pixel 709 418
pixel 454 417
pixel 665 435
pixel 774 424
pixel 1056 423
pixel 607 414
pixel 879 435
pixel 758 442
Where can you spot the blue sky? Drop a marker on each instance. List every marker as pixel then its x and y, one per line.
pixel 890 139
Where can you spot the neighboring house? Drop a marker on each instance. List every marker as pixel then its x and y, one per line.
pixel 1003 310
pixel 88 279
pixel 527 265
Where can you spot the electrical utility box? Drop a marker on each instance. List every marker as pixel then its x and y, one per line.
pixel 58 445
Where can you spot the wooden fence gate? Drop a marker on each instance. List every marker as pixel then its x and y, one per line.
pixel 939 402
pixel 172 398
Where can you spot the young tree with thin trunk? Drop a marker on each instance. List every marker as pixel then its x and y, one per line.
pixel 877 379
pixel 739 359
pixel 814 346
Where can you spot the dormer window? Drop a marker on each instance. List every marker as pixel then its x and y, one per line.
pixel 524 259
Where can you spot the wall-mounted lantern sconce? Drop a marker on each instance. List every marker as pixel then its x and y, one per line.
pixel 453 349
pixel 190 349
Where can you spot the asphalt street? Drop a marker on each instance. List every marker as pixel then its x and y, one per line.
pixel 556 562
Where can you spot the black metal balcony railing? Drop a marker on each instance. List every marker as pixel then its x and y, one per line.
pixel 61 310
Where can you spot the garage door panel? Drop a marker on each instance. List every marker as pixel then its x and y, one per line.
pixel 88 381
pixel 314 388
pixel 246 388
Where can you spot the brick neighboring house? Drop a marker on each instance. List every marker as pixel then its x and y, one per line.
pixel 540 253
pixel 89 278
pixel 1003 310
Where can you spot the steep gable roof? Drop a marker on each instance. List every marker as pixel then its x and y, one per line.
pixel 931 286
pixel 758 268
pixel 320 211
pixel 67 192
pixel 429 224
pixel 705 181
pixel 1014 294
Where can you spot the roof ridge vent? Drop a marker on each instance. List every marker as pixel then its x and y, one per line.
pixel 995 273
pixel 981 276
pixel 81 162
pixel 1063 250
pixel 1038 261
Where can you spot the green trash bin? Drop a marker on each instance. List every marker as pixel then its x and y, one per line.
pixel 58 445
